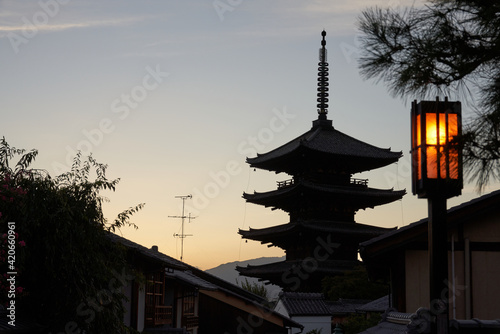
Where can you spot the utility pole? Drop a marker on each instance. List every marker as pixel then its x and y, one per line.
pixel 182 235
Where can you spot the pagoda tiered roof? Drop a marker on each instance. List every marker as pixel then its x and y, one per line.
pixel 292 196
pixel 280 235
pixel 325 147
pixel 276 273
pixel 321 199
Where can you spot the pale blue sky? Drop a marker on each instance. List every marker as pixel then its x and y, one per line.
pixel 172 94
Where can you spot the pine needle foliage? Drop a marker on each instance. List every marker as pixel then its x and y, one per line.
pixel 445 47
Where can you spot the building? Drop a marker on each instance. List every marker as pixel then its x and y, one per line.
pixel 473 258
pixel 308 309
pixel 169 296
pixel 321 199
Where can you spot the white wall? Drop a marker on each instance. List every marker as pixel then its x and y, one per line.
pixel 281 309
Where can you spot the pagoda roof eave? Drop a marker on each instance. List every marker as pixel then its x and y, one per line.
pixel 274 271
pixel 326 141
pixel 269 234
pixel 364 196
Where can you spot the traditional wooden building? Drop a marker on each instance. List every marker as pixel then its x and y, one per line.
pixel 308 309
pixel 321 199
pixel 473 233
pixel 165 295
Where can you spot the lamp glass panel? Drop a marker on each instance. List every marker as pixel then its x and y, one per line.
pixel 432 132
pixel 442 163
pixel 419 161
pixel 431 162
pixel 419 134
pixel 453 161
pixel 453 151
pixel 452 126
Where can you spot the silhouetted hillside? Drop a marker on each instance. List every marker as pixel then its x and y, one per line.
pixel 227 271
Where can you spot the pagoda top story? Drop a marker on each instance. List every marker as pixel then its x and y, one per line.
pixel 323 147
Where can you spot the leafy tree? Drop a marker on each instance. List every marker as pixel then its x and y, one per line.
pixel 358 323
pixel 353 284
pixel 70 272
pixel 314 331
pixel 447 46
pixel 255 288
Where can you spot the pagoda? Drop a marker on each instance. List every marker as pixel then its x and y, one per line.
pixel 321 197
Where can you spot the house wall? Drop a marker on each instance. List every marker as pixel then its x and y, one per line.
pixel 417 282
pixel 141 308
pixel 485 229
pixel 485 285
pixel 323 323
pixel 417 279
pixel 127 317
pixel 217 316
pixel 473 290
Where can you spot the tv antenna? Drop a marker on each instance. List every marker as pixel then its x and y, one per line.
pixel 182 236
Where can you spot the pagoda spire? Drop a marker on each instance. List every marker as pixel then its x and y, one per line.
pixel 322 80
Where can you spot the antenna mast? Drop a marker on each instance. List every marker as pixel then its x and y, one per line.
pixel 182 235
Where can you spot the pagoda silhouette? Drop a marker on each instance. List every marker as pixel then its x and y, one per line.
pixel 321 239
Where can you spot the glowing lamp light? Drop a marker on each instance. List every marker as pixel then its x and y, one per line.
pixel 436 154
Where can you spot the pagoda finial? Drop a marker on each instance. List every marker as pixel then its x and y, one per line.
pixel 322 80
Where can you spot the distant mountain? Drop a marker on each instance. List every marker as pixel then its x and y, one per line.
pixel 227 271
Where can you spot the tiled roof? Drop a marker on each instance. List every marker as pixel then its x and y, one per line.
pixel 331 267
pixel 301 303
pixel 198 278
pixel 345 306
pixel 328 141
pixel 188 277
pixel 386 328
pixel 394 322
pixel 350 228
pixel 476 323
pixel 360 197
pixel 149 253
pixel 456 213
pixel 377 305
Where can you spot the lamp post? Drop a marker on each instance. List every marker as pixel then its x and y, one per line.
pixel 437 176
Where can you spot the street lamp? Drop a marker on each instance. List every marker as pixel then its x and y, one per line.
pixel 436 156
pixel 437 176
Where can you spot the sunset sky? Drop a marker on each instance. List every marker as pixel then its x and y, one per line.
pixel 174 95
